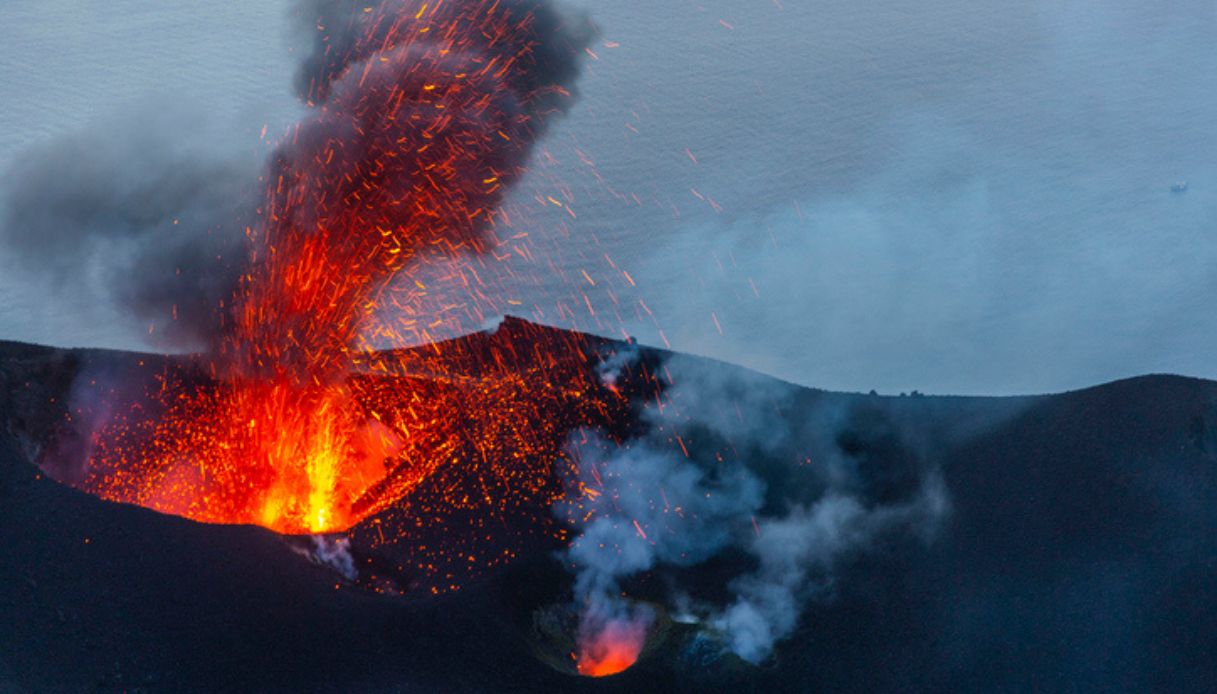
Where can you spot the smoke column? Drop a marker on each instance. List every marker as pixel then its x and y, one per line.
pixel 423 115
pixel 659 503
pixel 200 245
pixel 645 508
pixel 420 116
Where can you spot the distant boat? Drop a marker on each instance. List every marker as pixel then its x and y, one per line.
pixel 1180 187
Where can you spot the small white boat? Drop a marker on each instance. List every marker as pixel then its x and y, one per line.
pixel 1180 187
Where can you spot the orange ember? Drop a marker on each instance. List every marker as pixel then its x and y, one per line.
pixel 299 459
pixel 422 115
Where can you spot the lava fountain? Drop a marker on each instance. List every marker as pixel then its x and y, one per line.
pixel 422 115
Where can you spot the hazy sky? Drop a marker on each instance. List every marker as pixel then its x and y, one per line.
pixel 948 196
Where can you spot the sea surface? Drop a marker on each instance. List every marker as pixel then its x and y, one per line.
pixel 948 196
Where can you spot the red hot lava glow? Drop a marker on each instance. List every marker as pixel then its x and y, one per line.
pixel 423 113
pixel 613 649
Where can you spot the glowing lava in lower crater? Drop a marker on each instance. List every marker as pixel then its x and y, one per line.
pixel 613 650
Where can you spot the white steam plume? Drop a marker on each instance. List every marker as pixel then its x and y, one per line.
pixel 659 503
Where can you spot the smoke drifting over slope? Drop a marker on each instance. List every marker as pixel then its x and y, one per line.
pixel 717 473
pixel 647 508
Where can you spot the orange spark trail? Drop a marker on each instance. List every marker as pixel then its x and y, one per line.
pixel 422 116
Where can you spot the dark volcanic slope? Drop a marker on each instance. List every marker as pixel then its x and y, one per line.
pixel 1080 554
pixel 96 595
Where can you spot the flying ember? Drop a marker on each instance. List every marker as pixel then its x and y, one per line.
pixel 309 412
pixel 422 115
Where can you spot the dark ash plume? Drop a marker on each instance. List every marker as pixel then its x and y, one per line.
pixel 137 210
pixel 149 213
pixel 343 33
pixel 424 115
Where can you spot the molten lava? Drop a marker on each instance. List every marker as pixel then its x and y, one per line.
pixel 498 408
pixel 612 649
pixel 423 114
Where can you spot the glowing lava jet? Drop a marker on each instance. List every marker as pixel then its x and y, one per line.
pixel 422 115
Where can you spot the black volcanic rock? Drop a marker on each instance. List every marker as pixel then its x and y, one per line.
pixel 1079 554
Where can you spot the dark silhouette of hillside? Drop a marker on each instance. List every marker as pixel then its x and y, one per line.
pixel 1079 554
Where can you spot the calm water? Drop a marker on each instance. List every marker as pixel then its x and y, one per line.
pixel 947 196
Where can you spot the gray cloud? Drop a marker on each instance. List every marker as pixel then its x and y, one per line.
pixel 798 554
pixel 712 475
pixel 648 508
pixel 151 209
pixel 144 209
pixel 955 198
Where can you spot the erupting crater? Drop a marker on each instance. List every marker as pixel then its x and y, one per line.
pixel 495 408
pixel 421 116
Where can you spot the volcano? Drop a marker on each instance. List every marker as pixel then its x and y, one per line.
pixel 1077 551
